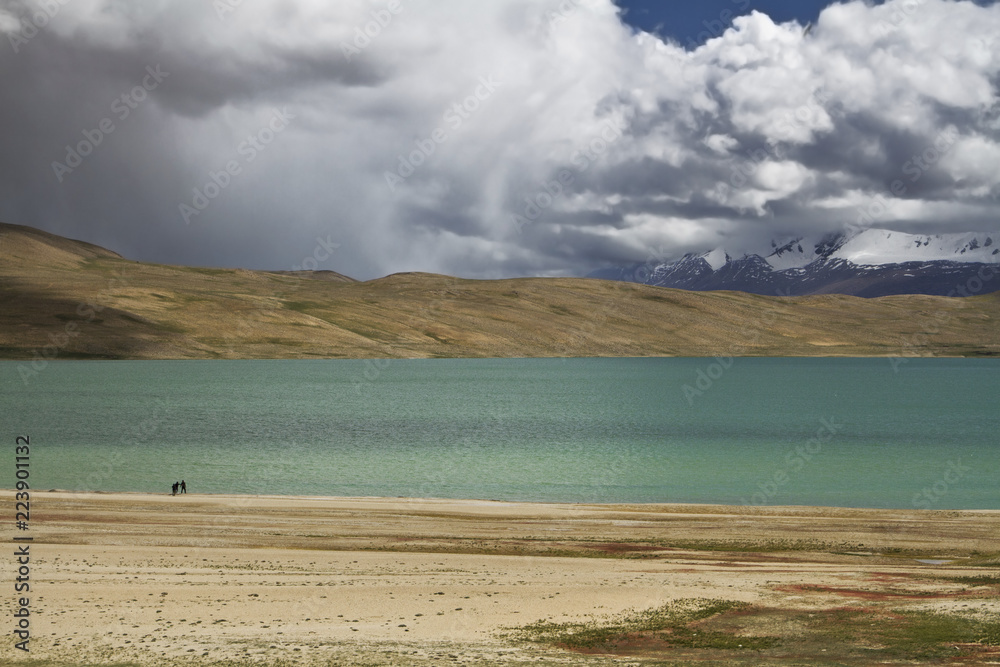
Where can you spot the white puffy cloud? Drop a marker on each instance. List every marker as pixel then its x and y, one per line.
pixel 505 137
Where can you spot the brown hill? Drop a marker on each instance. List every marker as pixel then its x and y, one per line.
pixel 68 299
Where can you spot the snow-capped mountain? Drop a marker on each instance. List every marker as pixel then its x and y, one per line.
pixel 873 262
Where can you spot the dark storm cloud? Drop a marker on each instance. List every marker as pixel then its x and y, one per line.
pixel 434 136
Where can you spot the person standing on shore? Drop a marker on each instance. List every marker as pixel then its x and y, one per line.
pixel 184 488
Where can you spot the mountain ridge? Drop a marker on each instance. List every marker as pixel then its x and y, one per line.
pixel 70 300
pixel 870 263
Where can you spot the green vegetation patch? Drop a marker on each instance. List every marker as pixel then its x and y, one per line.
pixel 842 635
pixel 909 635
pixel 303 306
pixel 672 625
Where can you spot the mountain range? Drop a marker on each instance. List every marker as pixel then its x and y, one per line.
pixel 65 299
pixel 868 263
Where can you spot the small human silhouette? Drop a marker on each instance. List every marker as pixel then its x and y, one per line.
pixel 173 489
pixel 184 488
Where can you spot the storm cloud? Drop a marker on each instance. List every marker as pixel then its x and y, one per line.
pixel 490 139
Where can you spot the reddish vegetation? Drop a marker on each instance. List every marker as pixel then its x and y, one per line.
pixel 976 654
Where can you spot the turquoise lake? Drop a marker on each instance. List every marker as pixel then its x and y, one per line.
pixel 837 432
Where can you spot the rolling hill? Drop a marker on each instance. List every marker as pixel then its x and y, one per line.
pixel 72 300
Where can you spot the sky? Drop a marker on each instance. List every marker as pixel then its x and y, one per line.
pixel 692 23
pixel 492 139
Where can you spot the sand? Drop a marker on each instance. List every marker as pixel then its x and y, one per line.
pixel 205 579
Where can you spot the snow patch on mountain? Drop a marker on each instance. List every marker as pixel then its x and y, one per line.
pixel 716 258
pixel 880 246
pixel 793 253
pixel 875 247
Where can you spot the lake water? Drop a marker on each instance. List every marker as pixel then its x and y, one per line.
pixel 838 432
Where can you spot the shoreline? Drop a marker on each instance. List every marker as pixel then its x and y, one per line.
pixel 733 508
pixel 152 579
pixel 988 355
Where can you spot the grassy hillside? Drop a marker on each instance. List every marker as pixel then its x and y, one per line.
pixel 83 301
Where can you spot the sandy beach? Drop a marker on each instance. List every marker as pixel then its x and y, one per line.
pixel 134 579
